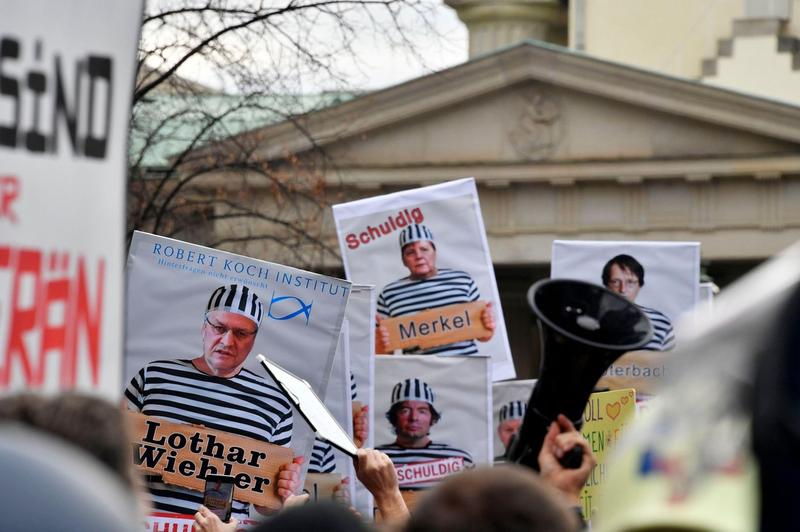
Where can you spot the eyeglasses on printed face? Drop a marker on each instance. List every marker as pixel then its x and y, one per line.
pixel 221 330
pixel 619 283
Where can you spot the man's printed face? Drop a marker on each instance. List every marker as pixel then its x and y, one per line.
pixel 507 429
pixel 623 282
pixel 420 259
pixel 413 419
pixel 227 340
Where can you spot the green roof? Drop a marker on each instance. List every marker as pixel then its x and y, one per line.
pixel 167 124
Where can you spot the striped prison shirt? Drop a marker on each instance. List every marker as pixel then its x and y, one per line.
pixel 424 467
pixel 447 287
pixel 663 335
pixel 245 405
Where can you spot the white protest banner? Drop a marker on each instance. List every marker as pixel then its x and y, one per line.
pixel 509 402
pixel 433 415
pixel 170 284
pixel 360 314
pixel 325 458
pixel 446 263
pixel 66 80
pixel 661 278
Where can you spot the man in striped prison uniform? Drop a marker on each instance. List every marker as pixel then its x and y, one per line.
pixel 214 390
pixel 427 287
pixel 420 462
pixel 624 275
pixel 509 420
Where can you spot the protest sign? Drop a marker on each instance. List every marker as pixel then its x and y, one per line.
pixel 321 486
pixel 170 284
pixel 185 454
pixel 65 103
pixel 442 227
pixel 660 278
pixel 606 417
pixel 509 403
pixel 438 415
pixel 360 314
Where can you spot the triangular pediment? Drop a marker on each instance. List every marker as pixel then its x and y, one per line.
pixel 536 103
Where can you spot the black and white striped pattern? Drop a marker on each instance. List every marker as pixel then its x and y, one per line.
pixel 245 405
pixel 322 459
pixel 415 233
pixel 412 390
pixel 238 299
pixel 353 388
pixel 513 410
pixel 433 451
pixel 663 334
pixel 447 287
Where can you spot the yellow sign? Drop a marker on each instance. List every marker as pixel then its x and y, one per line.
pixel 438 326
pixel 606 417
pixel 184 454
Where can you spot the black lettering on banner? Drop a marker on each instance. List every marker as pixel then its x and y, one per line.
pixel 41 85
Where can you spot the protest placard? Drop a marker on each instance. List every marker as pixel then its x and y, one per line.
pixel 425 249
pixel 65 104
pixel 185 454
pixel 660 278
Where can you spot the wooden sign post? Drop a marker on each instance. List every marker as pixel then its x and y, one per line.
pixel 438 326
pixel 184 454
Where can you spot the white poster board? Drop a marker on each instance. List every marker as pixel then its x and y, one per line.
pixel 66 79
pixel 462 397
pixel 668 288
pixel 369 231
pixel 169 285
pixel 504 393
pixel 360 314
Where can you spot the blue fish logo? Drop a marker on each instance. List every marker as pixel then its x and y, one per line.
pixel 303 308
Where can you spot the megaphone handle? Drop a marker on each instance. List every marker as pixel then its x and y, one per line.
pixel 573 458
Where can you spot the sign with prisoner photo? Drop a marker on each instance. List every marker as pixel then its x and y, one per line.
pixel 426 252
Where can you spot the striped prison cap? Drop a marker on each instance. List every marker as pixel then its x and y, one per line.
pixel 412 390
pixel 513 410
pixel 237 299
pixel 415 233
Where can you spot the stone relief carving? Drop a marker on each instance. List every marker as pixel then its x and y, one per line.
pixel 537 131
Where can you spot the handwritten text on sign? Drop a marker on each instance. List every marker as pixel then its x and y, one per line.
pixel 438 326
pixel 606 416
pixel 184 454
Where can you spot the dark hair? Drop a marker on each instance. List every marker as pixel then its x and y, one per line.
pixel 510 498
pixel 391 415
pixel 626 262
pixel 88 422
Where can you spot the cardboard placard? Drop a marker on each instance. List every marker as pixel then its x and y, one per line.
pixel 184 454
pixel 643 370
pixel 606 417
pixel 438 326
pixel 320 486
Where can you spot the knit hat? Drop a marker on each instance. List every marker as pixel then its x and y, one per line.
pixel 415 233
pixel 412 390
pixel 513 410
pixel 237 299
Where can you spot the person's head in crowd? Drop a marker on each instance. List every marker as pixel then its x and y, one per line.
pixel 624 275
pixel 314 517
pixel 418 251
pixel 233 316
pixel 88 422
pixel 502 499
pixel 412 412
pixel 53 485
pixel 510 419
